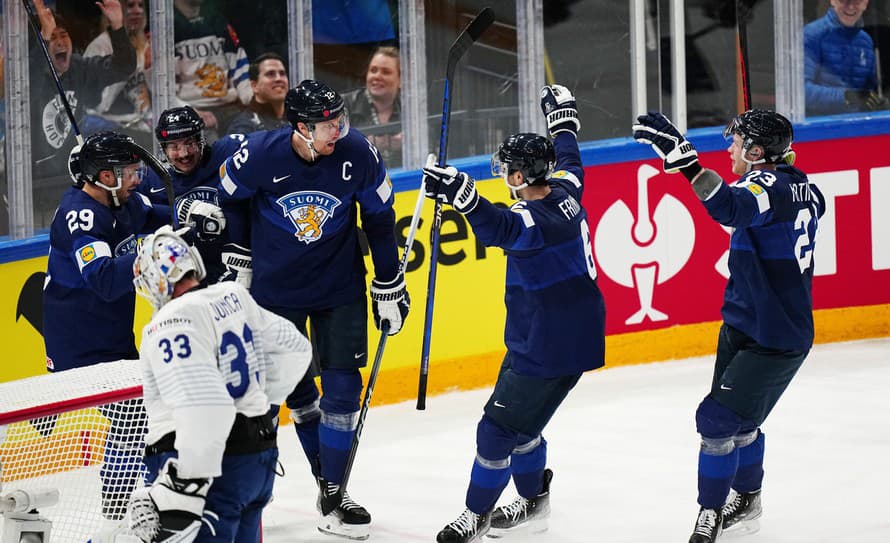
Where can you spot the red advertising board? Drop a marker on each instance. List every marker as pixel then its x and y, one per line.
pixel 662 259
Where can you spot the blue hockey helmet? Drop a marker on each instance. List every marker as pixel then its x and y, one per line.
pixel 531 154
pixel 768 129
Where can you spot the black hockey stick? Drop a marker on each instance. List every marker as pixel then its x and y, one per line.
pixel 366 403
pixel 464 41
pixel 35 25
pixel 742 12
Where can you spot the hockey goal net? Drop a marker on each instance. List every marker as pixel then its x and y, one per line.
pixel 79 431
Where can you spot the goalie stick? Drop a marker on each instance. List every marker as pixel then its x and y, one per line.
pixel 464 41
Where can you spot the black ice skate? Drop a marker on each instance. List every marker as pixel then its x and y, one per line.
pixel 340 515
pixel 523 514
pixel 467 528
pixel 708 526
pixel 742 512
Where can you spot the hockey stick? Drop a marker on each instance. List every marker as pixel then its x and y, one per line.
pixel 366 403
pixel 35 25
pixel 464 41
pixel 741 14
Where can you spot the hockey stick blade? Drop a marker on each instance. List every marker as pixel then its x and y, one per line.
pixel 467 38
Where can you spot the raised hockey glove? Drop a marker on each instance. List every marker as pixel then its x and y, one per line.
pixel 450 186
pixel 170 510
pixel 560 110
pixel 239 264
pixel 206 219
pixel 678 153
pixel 390 302
pixel 863 100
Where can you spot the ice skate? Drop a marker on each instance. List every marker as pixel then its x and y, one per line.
pixel 742 513
pixel 467 528
pixel 340 516
pixel 526 515
pixel 708 526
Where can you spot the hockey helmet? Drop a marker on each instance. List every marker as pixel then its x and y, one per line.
pixel 531 154
pixel 103 151
pixel 768 129
pixel 313 102
pixel 179 122
pixel 162 260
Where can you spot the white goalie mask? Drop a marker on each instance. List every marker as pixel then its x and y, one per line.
pixel 162 260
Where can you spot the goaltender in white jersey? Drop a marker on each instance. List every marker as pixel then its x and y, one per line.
pixel 216 366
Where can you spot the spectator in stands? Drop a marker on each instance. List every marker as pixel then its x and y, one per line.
pixel 378 103
pixel 840 62
pixel 211 67
pixel 125 105
pixel 83 80
pixel 269 83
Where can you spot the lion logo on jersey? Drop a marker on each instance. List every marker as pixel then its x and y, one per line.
pixel 213 81
pixel 308 211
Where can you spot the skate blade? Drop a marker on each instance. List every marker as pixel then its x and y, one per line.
pixel 745 527
pixel 331 525
pixel 534 526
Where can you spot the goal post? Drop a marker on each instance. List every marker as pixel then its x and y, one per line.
pixel 80 432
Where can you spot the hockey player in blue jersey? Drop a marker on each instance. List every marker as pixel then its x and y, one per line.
pixel 767 309
pixel 195 175
pixel 89 299
pixel 555 327
pixel 305 184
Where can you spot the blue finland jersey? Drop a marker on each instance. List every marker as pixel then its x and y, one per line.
pixel 88 298
pixel 302 220
pixel 201 184
pixel 775 214
pixel 555 312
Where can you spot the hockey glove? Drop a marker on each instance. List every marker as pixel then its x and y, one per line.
pixel 678 154
pixel 863 100
pixel 450 186
pixel 238 263
pixel 207 220
pixel 560 110
pixel 170 510
pixel 390 302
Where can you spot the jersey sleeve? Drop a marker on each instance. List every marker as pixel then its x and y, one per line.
pixel 235 191
pixel 569 173
pixel 182 358
pixel 749 202
pixel 284 352
pixel 156 215
pixel 512 228
pixel 376 199
pixel 109 276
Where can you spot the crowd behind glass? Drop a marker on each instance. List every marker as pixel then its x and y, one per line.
pixel 232 58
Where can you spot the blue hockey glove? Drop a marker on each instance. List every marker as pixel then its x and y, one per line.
pixel 390 302
pixel 656 130
pixel 560 110
pixel 169 510
pixel 450 186
pixel 207 219
pixel 239 264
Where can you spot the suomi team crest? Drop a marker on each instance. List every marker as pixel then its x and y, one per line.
pixel 308 211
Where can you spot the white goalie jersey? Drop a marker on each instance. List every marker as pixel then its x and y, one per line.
pixel 207 355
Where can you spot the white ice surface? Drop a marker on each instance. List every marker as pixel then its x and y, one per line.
pixel 624 450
